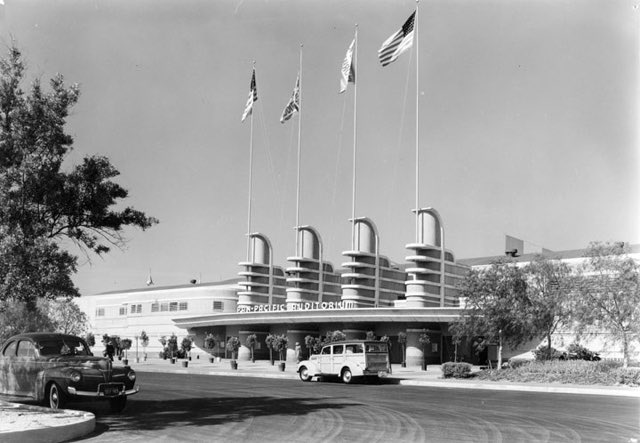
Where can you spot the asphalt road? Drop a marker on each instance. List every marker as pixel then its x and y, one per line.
pixel 178 407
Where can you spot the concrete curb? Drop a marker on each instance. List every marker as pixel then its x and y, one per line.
pixel 85 424
pixel 408 378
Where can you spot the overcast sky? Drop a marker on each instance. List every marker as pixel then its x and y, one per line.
pixel 528 122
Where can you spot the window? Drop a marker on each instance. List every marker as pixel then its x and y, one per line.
pixel 182 306
pixel 26 349
pixel 10 351
pixel 218 305
pixel 173 306
pixel 339 349
pixel 155 307
pixel 326 350
pixel 100 312
pixel 136 309
pixel 123 310
pixel 355 349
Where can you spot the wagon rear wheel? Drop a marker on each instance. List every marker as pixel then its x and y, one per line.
pixel 347 376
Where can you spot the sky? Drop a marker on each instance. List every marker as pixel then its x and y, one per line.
pixel 527 120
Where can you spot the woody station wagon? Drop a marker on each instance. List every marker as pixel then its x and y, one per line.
pixel 348 359
pixel 55 368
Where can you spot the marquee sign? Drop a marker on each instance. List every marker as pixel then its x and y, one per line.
pixel 307 306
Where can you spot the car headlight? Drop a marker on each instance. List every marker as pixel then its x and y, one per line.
pixel 131 375
pixel 75 376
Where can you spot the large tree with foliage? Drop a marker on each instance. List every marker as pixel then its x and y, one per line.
pixel 497 306
pixel 549 286
pixel 608 294
pixel 41 203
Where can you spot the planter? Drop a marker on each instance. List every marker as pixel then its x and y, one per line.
pixel 189 358
pixel 234 364
pixel 137 359
pixel 173 360
pixel 185 364
pixel 281 366
pixel 125 361
pixel 211 359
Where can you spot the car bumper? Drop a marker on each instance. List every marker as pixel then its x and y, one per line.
pixel 74 391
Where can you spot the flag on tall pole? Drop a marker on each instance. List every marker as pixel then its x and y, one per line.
pixel 398 43
pixel 294 103
pixel 348 71
pixel 253 96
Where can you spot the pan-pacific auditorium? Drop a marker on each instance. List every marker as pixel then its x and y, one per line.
pixel 308 296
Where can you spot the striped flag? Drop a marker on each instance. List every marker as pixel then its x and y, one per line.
pixel 253 96
pixel 348 70
pixel 397 43
pixel 294 103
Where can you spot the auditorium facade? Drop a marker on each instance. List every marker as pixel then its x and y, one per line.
pixel 307 297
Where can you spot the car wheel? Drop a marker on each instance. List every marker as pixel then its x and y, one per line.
pixel 55 397
pixel 304 374
pixel 117 404
pixel 347 376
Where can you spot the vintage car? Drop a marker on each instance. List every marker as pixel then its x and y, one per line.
pixel 348 359
pixel 55 368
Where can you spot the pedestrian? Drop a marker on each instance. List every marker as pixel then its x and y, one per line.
pixel 109 350
pixel 298 352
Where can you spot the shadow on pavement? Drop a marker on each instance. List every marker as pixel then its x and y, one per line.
pixel 148 415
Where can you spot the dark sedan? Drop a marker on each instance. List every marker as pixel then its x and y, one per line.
pixel 56 368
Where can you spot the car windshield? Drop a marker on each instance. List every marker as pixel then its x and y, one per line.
pixel 67 346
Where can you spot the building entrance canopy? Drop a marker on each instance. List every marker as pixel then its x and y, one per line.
pixel 360 315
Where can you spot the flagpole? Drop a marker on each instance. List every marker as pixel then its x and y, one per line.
pixel 355 119
pixel 417 40
pixel 299 132
pixel 250 178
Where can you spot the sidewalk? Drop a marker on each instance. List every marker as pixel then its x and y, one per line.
pixel 411 376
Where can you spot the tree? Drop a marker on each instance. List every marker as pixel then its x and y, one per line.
pixel 172 345
pixel 15 318
pixel 126 345
pixel 424 340
pixel 210 341
pixel 251 341
pixel 233 344
pixel 66 316
pixel 497 306
pixel 280 346
pixel 270 341
pixel 144 341
pixel 185 346
pixel 40 203
pixel 90 339
pixel 312 344
pixel 549 285
pixel 609 294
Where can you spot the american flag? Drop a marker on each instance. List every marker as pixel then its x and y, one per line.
pixel 348 72
pixel 397 43
pixel 294 103
pixel 253 96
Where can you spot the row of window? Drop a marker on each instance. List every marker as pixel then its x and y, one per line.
pixel 173 306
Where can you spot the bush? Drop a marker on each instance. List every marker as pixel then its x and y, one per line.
pixel 579 352
pixel 456 370
pixel 546 354
pixel 608 373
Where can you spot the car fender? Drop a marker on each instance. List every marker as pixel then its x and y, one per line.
pixel 58 374
pixel 311 366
